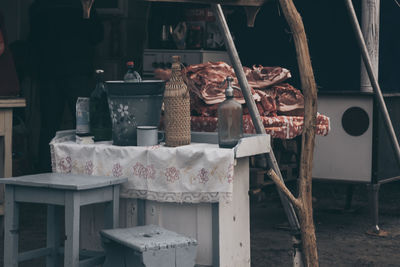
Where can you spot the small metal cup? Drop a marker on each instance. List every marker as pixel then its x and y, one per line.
pixel 148 136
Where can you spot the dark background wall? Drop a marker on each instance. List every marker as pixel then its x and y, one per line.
pixel 334 52
pixel 333 49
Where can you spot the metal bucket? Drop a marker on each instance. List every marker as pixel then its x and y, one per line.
pixel 130 108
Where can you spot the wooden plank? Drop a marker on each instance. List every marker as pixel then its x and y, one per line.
pixel 2 122
pixel 192 220
pixel 129 212
pixel 53 234
pixel 148 238
pixel 98 195
pixel 141 212
pixel 204 233
pixel 64 181
pixel 11 229
pixel 8 116
pixel 95 261
pixel 215 233
pixel 33 254
pixel 112 210
pixel 12 103
pixel 72 215
pixel 92 221
pixel 39 195
pixel 234 217
pixel 222 2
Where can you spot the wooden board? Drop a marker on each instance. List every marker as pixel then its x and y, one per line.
pixel 234 221
pixel 222 2
pixel 12 102
pixel 64 181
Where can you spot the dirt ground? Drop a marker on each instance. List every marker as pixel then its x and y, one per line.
pixel 341 236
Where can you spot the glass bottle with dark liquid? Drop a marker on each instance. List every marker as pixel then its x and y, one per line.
pixel 230 120
pixel 100 119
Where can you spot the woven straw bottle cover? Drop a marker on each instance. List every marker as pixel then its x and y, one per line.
pixel 176 108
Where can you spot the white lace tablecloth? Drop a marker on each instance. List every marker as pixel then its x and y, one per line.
pixel 194 173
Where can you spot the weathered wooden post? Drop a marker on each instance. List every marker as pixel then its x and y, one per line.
pixel 303 203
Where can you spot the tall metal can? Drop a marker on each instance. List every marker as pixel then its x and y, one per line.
pixel 82 116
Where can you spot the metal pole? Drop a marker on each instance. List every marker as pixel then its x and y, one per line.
pixel 374 82
pixel 237 66
pixel 257 122
pixel 370 29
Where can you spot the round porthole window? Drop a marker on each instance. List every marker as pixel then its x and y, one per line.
pixel 355 121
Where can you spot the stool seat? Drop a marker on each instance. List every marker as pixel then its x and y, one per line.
pixel 149 246
pixel 65 181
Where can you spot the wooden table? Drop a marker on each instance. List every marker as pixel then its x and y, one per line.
pixel 55 189
pixel 221 228
pixel 6 119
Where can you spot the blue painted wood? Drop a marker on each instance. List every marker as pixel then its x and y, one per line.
pixel 147 237
pixel 112 210
pixel 71 191
pixel 148 246
pixel 72 216
pixel 11 229
pixel 36 253
pixel 53 234
pixel 64 181
pixel 161 257
pixel 185 255
pixel 39 195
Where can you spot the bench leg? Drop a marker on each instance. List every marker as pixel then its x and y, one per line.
pixel 72 214
pixel 11 228
pixel 53 234
pixel 112 210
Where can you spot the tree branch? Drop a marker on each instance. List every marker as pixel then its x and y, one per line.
pixel 309 91
pixel 274 177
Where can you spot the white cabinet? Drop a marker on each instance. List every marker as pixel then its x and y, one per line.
pixel 161 58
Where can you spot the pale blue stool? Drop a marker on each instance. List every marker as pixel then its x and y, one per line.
pixel 56 190
pixel 147 246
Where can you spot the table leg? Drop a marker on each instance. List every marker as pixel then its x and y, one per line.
pixel 53 234
pixel 72 214
pixel 112 210
pixel 11 228
pixel 8 143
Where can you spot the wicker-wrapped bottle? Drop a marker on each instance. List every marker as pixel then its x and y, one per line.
pixel 176 108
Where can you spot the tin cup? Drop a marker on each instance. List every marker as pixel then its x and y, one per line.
pixel 148 136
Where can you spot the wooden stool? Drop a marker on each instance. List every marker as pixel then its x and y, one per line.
pixel 55 189
pixel 148 246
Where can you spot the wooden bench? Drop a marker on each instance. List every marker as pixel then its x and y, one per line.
pixel 148 246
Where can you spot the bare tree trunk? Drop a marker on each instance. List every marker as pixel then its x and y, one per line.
pixel 303 203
